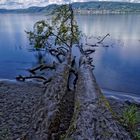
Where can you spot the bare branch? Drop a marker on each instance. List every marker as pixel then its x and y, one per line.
pixel 91 45
pixel 81 48
pixel 35 69
pixel 103 38
pixel 58 58
pixel 60 39
pixel 89 51
pixel 47 81
pixel 22 78
pixel 99 42
pixel 63 48
pixel 42 67
pixel 53 66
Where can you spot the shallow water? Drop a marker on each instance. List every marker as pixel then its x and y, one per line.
pixel 117 67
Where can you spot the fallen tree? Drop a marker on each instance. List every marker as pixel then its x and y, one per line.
pixel 46 115
pixel 93 118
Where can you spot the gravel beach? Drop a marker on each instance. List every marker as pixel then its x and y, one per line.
pixel 16 103
pixel 17 100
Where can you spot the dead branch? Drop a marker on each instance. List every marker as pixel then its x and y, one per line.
pixel 57 52
pixel 22 78
pixel 81 48
pixel 91 45
pixel 53 66
pixel 99 42
pixel 60 39
pixel 47 81
pixel 33 70
pixel 58 58
pixel 89 51
pixel 42 67
pixel 63 48
pixel 60 50
pixel 90 59
pixel 53 51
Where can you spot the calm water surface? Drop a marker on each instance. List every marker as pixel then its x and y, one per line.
pixel 117 67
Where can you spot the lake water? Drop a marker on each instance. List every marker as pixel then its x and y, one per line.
pixel 117 68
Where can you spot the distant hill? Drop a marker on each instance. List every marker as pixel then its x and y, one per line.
pixel 106 7
pixel 84 8
pixel 46 9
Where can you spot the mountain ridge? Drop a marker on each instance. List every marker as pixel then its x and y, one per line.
pixel 81 7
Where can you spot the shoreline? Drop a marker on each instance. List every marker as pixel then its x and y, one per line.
pixel 118 95
pixel 17 102
pixel 122 96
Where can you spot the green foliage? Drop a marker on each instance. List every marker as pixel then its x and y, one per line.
pixel 61 29
pixel 131 118
pixel 39 37
pixel 66 25
pixel 137 135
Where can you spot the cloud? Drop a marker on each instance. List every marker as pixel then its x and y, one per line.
pixel 12 4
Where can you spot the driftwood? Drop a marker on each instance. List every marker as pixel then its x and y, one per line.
pixel 92 119
pixel 46 115
pixel 99 42
pixel 103 38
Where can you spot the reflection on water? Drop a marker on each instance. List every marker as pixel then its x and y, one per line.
pixel 117 67
pixel 121 27
pixel 14 54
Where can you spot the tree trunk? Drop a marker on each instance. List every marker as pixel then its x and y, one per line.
pixel 92 119
pixel 46 115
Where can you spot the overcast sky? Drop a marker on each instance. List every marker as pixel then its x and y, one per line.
pixel 10 4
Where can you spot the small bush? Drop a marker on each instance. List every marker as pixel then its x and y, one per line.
pixel 130 119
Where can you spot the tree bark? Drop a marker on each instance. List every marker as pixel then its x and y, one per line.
pixel 46 115
pixel 93 118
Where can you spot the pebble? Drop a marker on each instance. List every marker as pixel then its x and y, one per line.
pixel 16 102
